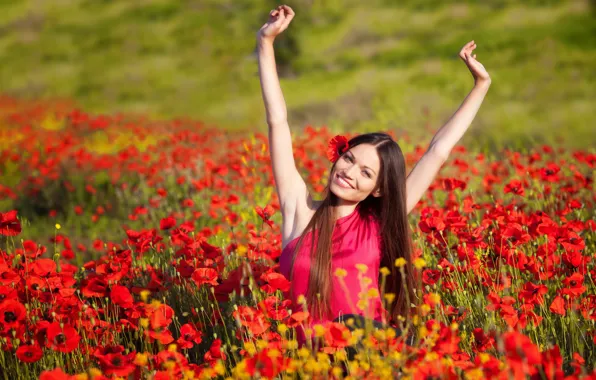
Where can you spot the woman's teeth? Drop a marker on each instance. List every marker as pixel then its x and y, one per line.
pixel 343 182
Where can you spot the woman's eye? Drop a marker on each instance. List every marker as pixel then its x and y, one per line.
pixel 367 174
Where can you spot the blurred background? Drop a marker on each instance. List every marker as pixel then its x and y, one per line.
pixel 348 64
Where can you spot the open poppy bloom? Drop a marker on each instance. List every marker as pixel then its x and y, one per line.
pixel 337 146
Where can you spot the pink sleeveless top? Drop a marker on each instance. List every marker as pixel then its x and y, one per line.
pixel 356 240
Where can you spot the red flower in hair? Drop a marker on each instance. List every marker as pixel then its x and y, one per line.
pixel 337 146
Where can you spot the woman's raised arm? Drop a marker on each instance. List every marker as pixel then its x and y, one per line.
pixel 425 170
pixel 289 184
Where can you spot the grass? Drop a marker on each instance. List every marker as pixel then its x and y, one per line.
pixel 344 65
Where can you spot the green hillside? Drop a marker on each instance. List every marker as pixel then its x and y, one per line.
pixel 348 64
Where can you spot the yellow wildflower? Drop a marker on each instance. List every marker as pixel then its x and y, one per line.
pixel 362 304
pixel 94 372
pixel 372 293
pixel 250 348
pixel 362 268
pixel 282 328
pixel 319 330
pixel 419 263
pixel 389 297
pixel 262 344
pixel 304 352
pixel 145 294
pixel 274 353
pixel 341 272
pixel 400 262
pixel 219 368
pixel 141 360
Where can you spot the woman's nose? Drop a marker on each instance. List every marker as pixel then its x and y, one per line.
pixel 349 172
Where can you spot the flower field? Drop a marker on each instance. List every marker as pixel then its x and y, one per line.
pixel 134 248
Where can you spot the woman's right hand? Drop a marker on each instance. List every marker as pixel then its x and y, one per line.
pixel 279 19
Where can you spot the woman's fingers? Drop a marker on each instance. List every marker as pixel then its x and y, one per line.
pixel 466 50
pixel 462 54
pixel 289 16
pixel 289 11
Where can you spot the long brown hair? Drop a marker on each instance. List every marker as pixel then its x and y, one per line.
pixel 391 213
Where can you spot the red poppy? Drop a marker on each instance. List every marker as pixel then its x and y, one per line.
pixel 268 366
pixel 62 339
pixel 12 313
pixel 448 340
pixel 29 353
pixel 163 337
pixel 522 355
pixel 482 341
pixel 55 374
pixel 275 308
pixel 32 249
pixel 167 223
pixel 215 353
pixel 205 276
pixel 177 361
pixel 113 361
pixel 337 146
pixel 252 318
pixel 574 285
pixel 552 363
pixel 572 241
pixel 210 251
pixel 558 306
pixel 7 293
pixel 276 281
pixel 234 283
pixel 550 172
pixel 297 318
pixel 588 308
pixel 189 336
pixel 431 276
pixel 450 184
pixel 577 363
pixel 95 287
pixel 533 294
pixel 513 234
pixel 9 224
pixel 44 267
pixel 431 222
pixel 121 296
pixel 515 187
pixel 160 316
pixel 266 213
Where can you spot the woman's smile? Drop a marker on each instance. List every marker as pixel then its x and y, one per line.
pixel 342 182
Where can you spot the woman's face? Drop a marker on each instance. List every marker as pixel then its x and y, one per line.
pixel 355 174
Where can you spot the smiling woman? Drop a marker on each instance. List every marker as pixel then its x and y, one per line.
pixel 356 230
pixel 340 252
pixel 357 170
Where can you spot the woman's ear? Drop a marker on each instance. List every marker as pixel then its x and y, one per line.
pixel 376 193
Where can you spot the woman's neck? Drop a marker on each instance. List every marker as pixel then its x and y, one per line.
pixel 344 208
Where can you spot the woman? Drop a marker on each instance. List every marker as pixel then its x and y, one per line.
pixel 361 224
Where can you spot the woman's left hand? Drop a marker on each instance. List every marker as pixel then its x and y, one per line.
pixel 476 68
